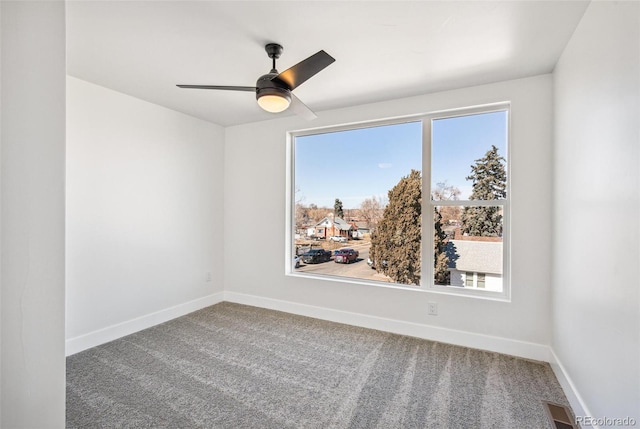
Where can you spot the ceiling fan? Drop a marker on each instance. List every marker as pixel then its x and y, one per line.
pixel 273 90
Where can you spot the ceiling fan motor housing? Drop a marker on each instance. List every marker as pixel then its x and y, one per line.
pixel 266 86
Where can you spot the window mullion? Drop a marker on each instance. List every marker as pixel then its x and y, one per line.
pixel 426 277
pixel 479 203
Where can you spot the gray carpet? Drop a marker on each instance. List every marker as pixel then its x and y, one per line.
pixel 235 366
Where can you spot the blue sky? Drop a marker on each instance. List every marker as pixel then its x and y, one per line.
pixel 459 141
pixel 357 164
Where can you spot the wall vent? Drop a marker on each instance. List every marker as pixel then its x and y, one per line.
pixel 559 416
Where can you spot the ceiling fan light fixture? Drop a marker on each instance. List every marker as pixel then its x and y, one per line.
pixel 274 101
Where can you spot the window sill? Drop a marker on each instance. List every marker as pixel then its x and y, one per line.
pixel 440 290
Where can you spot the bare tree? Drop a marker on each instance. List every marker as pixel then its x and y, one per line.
pixel 302 216
pixel 301 212
pixel 316 214
pixel 444 192
pixel 371 210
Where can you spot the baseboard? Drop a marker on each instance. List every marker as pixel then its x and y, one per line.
pixel 577 403
pixel 507 346
pixel 110 333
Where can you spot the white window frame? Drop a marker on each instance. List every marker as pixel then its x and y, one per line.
pixel 426 283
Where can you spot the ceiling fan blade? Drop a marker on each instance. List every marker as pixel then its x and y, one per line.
pixel 298 74
pixel 229 88
pixel 301 109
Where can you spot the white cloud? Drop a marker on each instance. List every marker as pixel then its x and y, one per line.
pixel 384 165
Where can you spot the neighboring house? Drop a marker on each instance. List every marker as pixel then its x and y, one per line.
pixel 362 229
pixel 475 264
pixel 304 231
pixel 328 227
pixel 356 233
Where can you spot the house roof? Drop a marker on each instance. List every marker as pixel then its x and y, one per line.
pixel 339 223
pixel 475 256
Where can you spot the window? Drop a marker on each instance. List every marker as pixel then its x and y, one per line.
pixel 468 279
pixel 342 179
pixel 481 278
pixel 469 198
pixel 367 185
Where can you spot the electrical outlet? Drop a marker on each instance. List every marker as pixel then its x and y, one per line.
pixel 432 308
pixel 208 276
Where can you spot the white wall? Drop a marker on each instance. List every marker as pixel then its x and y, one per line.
pixel 144 213
pixel 33 136
pixel 132 160
pixel 596 307
pixel 492 281
pixel 255 189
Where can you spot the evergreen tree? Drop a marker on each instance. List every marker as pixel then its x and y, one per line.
pixel 337 208
pixel 489 179
pixel 395 246
pixel 441 273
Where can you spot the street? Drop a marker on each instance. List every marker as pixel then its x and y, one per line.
pixel 358 269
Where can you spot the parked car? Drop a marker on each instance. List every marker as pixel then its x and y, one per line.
pixel 345 256
pixel 338 238
pixel 315 256
pixel 296 261
pixel 370 263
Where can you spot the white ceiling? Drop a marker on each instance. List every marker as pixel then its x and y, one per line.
pixel 383 49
